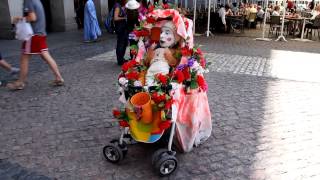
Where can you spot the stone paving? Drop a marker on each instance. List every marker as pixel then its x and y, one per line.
pixel 265 120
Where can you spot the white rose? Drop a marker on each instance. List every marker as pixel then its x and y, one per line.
pixel 137 84
pixel 123 81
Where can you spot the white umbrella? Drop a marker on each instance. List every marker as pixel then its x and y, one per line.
pixel 194 15
pixel 264 24
pixel 281 37
pixel 209 13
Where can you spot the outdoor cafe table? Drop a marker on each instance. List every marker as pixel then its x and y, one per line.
pixel 295 21
pixel 302 31
pixel 233 19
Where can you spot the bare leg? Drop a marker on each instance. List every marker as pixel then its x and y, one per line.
pixel 24 67
pixel 5 65
pixel 52 64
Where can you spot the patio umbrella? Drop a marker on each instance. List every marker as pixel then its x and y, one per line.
pixel 209 13
pixel 194 15
pixel 281 37
pixel 264 24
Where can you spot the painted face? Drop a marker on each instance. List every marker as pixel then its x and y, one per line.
pixel 166 37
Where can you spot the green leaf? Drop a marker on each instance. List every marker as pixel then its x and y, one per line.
pixel 194 85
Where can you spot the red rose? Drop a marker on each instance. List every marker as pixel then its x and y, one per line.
pixel 186 73
pixel 151 8
pixel 116 113
pixel 162 97
pixel 132 75
pixel 203 62
pixel 155 97
pixel 133 52
pixel 179 76
pixel 199 51
pixel 162 78
pixel 202 83
pixel 132 63
pixel 123 123
pixel 186 23
pixel 185 51
pixel 121 75
pixel 165 124
pixel 165 6
pixel 151 20
pixel 125 67
pixel 168 104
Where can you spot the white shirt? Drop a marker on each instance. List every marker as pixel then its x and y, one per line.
pixel 222 15
pixel 260 13
pixel 275 13
pixel 314 14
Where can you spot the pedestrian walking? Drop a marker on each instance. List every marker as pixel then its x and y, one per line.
pixel 12 70
pixel 79 10
pixel 34 13
pixel 132 7
pixel 91 25
pixel 120 22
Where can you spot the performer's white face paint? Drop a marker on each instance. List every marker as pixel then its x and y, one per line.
pixel 166 37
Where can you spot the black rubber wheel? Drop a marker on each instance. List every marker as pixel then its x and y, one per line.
pixel 157 155
pixel 166 165
pixel 122 146
pixel 113 153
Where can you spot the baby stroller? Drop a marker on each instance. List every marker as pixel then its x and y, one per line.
pixel 173 100
pixel 164 161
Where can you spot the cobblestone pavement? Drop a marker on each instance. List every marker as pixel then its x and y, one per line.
pixel 264 98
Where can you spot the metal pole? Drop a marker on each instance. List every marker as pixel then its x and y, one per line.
pixel 281 37
pixel 194 15
pixel 264 25
pixel 209 13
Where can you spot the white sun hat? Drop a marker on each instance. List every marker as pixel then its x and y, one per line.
pixel 132 4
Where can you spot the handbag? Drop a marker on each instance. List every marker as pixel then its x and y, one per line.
pixel 23 30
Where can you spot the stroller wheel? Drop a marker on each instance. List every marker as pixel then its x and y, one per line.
pixel 113 153
pixel 157 155
pixel 123 146
pixel 166 165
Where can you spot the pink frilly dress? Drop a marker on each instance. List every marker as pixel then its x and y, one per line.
pixel 193 118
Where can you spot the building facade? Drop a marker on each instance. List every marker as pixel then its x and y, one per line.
pixel 60 15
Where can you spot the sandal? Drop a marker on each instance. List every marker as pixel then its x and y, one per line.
pixel 57 83
pixel 17 85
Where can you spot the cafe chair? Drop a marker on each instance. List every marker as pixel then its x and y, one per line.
pixel 274 25
pixel 314 27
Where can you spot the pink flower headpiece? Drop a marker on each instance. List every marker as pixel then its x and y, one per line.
pixel 183 25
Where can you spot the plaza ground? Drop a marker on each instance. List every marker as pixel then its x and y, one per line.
pixel 264 98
